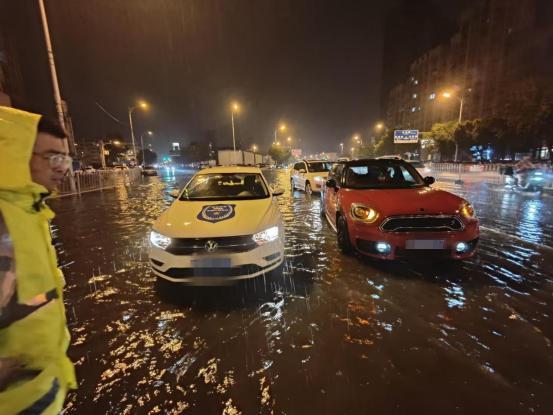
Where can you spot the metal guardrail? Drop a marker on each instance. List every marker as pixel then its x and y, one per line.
pixel 97 180
pixel 489 173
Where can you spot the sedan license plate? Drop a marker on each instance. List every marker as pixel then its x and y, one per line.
pixel 425 244
pixel 211 263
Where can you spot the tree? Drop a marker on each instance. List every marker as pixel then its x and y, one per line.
pixel 541 128
pixel 150 157
pixel 367 151
pixel 195 152
pixel 280 154
pixel 385 145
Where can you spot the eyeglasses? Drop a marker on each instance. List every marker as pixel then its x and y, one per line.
pixel 56 160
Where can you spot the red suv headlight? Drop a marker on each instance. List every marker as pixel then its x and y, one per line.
pixel 467 210
pixel 363 213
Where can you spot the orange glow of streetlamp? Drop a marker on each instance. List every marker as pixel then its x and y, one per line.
pixel 379 126
pixel 143 104
pixel 447 94
pixel 254 147
pixel 235 107
pixel 282 127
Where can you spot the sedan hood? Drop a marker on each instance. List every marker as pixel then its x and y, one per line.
pixel 418 201
pixel 205 219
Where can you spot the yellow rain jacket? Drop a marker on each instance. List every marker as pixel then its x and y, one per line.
pixel 35 372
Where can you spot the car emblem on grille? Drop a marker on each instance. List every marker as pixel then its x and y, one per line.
pixel 211 246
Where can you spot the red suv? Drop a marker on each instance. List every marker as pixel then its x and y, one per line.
pixel 385 209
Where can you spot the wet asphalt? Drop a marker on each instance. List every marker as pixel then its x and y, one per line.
pixel 332 334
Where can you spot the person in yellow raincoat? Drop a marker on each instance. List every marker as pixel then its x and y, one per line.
pixel 35 372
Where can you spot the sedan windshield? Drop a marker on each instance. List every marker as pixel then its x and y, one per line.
pixel 318 167
pixel 379 175
pixel 225 186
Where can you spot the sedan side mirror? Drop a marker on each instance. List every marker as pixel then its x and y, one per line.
pixel 332 184
pixel 428 180
pixel 174 193
pixel 278 191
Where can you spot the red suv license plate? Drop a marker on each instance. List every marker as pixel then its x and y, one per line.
pixel 425 244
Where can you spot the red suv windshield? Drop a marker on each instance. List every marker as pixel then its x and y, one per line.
pixel 378 175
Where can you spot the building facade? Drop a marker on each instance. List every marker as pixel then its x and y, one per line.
pixel 499 62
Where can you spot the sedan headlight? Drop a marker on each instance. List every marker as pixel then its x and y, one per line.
pixel 268 235
pixel 363 213
pixel 467 210
pixel 159 240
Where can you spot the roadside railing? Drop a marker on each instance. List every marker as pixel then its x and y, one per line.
pixel 97 180
pixel 466 172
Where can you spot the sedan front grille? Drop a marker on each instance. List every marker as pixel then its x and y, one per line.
pixel 422 223
pixel 230 244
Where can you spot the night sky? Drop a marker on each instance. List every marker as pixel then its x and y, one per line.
pixel 314 64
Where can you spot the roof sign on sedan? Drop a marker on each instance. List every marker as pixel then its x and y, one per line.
pixel 216 213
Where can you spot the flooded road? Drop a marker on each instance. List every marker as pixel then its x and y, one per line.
pixel 332 335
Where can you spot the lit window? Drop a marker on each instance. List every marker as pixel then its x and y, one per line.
pixel 432 95
pixel 414 96
pixel 416 82
pixel 413 109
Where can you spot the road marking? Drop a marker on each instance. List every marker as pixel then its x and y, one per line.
pixel 546 247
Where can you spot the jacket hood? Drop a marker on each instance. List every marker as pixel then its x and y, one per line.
pixel 191 219
pixel 17 138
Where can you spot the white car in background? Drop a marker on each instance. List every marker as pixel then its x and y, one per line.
pixel 309 175
pixel 224 226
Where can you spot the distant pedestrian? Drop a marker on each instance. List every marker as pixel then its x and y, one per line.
pixel 35 372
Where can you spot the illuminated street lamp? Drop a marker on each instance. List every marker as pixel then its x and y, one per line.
pixel 278 143
pixel 143 105
pixel 461 99
pixel 281 127
pixel 254 148
pixel 379 126
pixel 142 143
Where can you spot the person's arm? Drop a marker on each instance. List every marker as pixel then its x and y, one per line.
pixel 8 366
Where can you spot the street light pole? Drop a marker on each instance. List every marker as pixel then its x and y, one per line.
pixel 142 144
pixel 461 103
pixel 461 99
pixel 342 149
pixel 234 107
pixel 53 74
pixel 233 136
pixel 131 109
